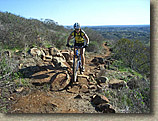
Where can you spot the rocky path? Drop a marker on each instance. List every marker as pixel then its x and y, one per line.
pixel 52 89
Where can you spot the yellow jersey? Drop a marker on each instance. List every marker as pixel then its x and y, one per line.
pixel 78 36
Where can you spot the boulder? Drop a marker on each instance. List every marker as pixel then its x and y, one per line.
pixel 94 60
pixel 20 89
pixel 98 60
pixel 115 84
pixel 47 58
pixel 53 51
pixel 101 67
pixel 84 88
pixel 36 52
pixel 7 53
pixel 70 62
pixel 46 51
pixel 99 99
pixel 101 104
pixel 74 89
pixel 105 108
pixel 78 97
pixel 59 81
pixel 59 62
pixel 92 81
pixel 60 55
pixel 91 74
pixel 66 55
pixel 82 79
pixel 20 65
pixel 107 64
pixel 102 79
pixel 42 52
pixel 77 88
pixel 93 87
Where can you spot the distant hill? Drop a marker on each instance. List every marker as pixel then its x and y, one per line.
pixel 117 32
pixel 19 32
pixel 132 32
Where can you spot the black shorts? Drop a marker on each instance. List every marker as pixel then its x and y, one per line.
pixel 79 44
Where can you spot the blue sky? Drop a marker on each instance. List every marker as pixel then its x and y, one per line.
pixel 86 12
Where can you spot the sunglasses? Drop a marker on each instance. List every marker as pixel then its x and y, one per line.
pixel 77 29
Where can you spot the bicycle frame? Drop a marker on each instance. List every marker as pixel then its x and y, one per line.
pixel 78 62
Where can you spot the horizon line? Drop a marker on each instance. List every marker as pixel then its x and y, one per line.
pixel 113 25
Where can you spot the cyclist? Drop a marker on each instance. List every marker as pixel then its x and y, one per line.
pixel 80 37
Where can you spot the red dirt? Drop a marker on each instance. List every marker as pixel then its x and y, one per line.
pixel 39 101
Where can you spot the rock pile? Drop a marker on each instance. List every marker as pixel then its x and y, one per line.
pixel 60 74
pixel 55 68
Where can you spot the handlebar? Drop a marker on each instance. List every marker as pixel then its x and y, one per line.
pixel 77 47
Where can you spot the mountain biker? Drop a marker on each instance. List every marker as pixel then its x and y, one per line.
pixel 80 37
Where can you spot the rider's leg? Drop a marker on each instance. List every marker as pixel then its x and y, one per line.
pixel 75 52
pixel 82 51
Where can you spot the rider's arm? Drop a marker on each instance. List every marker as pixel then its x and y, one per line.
pixel 70 36
pixel 87 39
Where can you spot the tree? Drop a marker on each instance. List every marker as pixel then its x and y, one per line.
pixel 133 54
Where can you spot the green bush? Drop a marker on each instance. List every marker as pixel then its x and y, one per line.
pixel 130 101
pixel 4 68
pixel 95 40
pixel 93 47
pixel 133 54
pixel 19 32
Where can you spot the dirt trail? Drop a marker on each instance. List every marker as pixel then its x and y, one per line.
pixel 75 98
pixel 106 49
pixel 90 57
pixel 103 55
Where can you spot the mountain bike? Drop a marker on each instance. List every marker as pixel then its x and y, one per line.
pixel 77 63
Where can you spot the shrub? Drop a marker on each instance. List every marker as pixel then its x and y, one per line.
pixel 18 32
pixel 93 47
pixel 127 100
pixel 133 54
pixel 95 40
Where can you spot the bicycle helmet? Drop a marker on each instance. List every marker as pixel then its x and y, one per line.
pixel 77 26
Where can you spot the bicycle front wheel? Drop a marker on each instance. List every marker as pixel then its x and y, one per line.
pixel 74 69
pixel 80 66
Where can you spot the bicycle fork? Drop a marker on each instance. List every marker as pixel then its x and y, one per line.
pixel 76 65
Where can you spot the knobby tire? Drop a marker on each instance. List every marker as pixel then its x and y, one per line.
pixel 80 66
pixel 74 69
